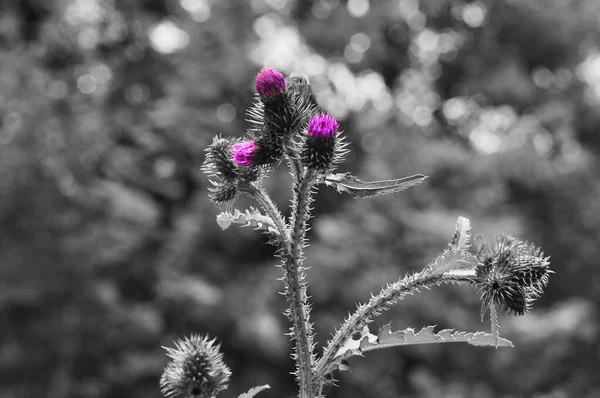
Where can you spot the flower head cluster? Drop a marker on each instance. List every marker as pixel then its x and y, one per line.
pixel 196 369
pixel 269 83
pixel 511 276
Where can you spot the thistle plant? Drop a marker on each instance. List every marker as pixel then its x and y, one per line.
pixel 287 127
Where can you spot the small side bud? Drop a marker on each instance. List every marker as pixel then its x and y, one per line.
pixel 319 148
pixel 218 163
pixel 196 369
pixel 243 153
pixel 269 83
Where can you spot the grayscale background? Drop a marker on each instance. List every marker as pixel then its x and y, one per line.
pixel 109 248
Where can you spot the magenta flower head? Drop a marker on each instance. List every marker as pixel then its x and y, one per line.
pixel 321 149
pixel 322 126
pixel 269 83
pixel 243 153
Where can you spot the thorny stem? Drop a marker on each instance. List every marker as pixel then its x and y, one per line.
pixel 292 244
pixel 270 208
pixel 299 309
pixel 367 312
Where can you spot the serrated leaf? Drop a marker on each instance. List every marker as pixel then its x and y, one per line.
pixel 253 391
pixel 250 218
pixel 462 234
pixel 452 260
pixel 360 189
pixel 388 339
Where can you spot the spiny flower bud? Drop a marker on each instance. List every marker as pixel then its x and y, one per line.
pixel 511 276
pixel 218 160
pixel 196 369
pixel 269 83
pixel 319 149
pixel 243 153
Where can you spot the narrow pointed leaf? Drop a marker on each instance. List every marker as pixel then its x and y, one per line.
pixel 361 189
pixel 462 234
pixel 388 339
pixel 250 218
pixel 253 391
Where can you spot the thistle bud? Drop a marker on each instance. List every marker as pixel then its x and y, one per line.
pixel 196 369
pixel 511 276
pixel 319 149
pixel 218 161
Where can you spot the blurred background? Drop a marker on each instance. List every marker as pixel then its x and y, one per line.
pixel 109 247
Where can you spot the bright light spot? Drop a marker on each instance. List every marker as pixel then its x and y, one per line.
pixel 101 73
pixel 80 11
pixel 361 40
pixel 542 77
pixel 353 53
pixel 166 37
pixel 226 113
pixel 589 72
pixel 454 108
pixel 87 38
pixel 198 9
pixel 485 141
pixel 358 8
pixel 543 142
pixel 87 84
pixel 427 40
pixel 164 167
pixel 474 14
pixel 264 26
pixel 408 7
pixel 277 4
pixel 422 115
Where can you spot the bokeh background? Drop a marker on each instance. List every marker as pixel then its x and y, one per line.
pixel 109 247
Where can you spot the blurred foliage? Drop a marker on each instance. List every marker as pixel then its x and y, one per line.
pixel 109 247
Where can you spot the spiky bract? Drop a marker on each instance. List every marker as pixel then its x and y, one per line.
pixel 196 369
pixel 511 276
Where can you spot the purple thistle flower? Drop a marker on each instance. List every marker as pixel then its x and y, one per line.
pixel 243 153
pixel 322 126
pixel 269 83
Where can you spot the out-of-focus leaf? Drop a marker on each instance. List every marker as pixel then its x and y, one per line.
pixel 462 235
pixel 253 391
pixel 360 189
